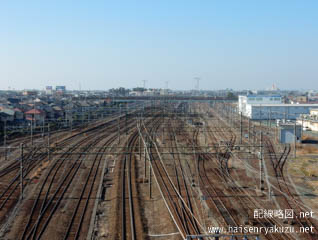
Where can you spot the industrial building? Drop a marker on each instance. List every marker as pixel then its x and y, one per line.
pixel 245 101
pixel 271 107
pixel 287 133
pixel 60 89
pixel 49 90
pixel 309 121
pixel 278 111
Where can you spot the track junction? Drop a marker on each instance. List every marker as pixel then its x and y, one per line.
pixel 169 170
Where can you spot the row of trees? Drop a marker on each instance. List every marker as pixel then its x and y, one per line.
pixel 125 91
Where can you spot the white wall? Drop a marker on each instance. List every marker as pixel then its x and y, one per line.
pixel 244 104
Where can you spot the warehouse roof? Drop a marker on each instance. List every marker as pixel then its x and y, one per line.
pixel 255 95
pixel 260 95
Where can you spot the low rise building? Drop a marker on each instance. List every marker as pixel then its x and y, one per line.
pixel 30 93
pixel 7 114
pixel 288 132
pixel 36 115
pixel 260 107
pixel 18 114
pixel 278 111
pixel 246 101
pixel 309 121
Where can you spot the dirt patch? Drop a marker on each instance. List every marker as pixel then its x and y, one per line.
pixel 37 173
pixel 304 172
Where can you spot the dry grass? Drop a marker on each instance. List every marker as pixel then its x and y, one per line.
pixel 304 149
pixel 304 167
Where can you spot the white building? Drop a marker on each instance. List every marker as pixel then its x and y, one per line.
pixel 246 101
pixel 258 107
pixel 49 90
pixel 309 121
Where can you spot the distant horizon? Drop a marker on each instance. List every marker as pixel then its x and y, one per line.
pixel 221 89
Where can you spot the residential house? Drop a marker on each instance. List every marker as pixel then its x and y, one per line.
pixel 58 112
pixel 36 115
pixel 18 114
pixel 7 115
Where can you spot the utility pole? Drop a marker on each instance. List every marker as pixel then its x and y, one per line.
pixel 295 139
pixel 82 115
pixel 163 130
pixel 21 172
pixel 302 125
pixel 249 129
pixel 270 118
pixel 254 133
pixel 43 124
pixel 32 130
pixel 197 87
pixel 260 116
pixel 167 84
pixel 261 161
pixel 144 81
pixel 150 176
pixel 139 138
pixel 48 142
pixel 241 128
pixel 118 120
pixel 89 116
pixel 118 132
pixel 145 159
pixel 126 122
pixel 5 140
pixel 71 121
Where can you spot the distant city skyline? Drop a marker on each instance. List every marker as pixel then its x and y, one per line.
pixel 101 45
pixel 150 87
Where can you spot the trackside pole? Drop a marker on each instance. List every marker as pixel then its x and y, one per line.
pixel 21 171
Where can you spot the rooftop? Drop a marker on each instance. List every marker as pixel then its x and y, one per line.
pixel 285 105
pixel 260 95
pixel 34 111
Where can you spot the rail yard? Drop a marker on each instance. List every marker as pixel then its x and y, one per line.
pixel 163 170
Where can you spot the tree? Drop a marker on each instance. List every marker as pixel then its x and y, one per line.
pixel 231 96
pixel 119 91
pixel 139 89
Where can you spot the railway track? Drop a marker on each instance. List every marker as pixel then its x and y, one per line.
pixel 130 223
pixel 285 192
pixel 128 211
pixel 10 192
pixel 60 206
pixel 180 212
pixel 214 195
pixel 277 164
pixel 182 186
pixel 54 191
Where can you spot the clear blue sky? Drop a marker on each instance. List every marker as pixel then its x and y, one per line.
pixel 106 44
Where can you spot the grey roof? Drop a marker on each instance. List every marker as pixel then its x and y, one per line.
pixel 8 111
